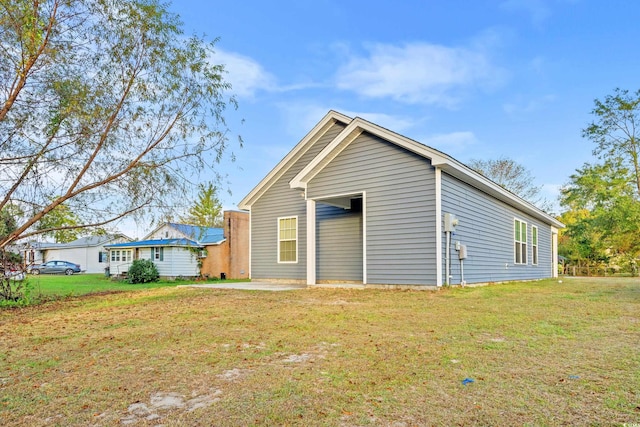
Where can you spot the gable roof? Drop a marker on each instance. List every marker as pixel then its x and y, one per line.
pixel 83 242
pixel 298 151
pixel 357 126
pixel 196 233
pixel 155 242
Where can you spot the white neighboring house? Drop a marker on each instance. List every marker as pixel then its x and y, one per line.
pixel 175 249
pixel 89 252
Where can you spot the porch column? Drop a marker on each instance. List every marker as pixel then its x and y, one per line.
pixel 554 253
pixel 311 242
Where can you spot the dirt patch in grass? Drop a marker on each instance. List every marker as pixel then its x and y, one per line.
pixel 540 353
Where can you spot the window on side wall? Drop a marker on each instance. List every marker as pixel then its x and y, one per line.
pixel 534 245
pixel 288 239
pixel 520 242
pixel 157 254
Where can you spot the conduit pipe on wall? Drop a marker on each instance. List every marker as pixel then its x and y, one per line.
pixel 450 223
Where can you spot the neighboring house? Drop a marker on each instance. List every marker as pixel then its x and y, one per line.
pixel 34 252
pixel 356 203
pixel 182 250
pixel 89 252
pixel 174 257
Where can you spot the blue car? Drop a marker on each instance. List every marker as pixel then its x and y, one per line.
pixel 56 267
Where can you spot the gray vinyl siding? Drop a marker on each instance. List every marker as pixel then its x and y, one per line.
pixel 487 229
pixel 400 207
pixel 282 201
pixel 338 244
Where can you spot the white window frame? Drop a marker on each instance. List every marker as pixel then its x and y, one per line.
pixel 522 243
pixel 124 255
pixel 288 240
pixel 155 253
pixel 534 245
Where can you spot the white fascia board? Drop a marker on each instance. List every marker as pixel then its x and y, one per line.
pixel 439 159
pixel 348 135
pixel 316 133
pixel 325 157
pixel 473 178
pixel 213 243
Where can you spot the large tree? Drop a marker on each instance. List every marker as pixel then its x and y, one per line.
pixel 61 223
pixel 602 216
pixel 207 208
pixel 615 130
pixel 609 191
pixel 512 176
pixel 105 103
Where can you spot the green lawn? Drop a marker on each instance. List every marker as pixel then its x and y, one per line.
pixel 538 353
pixel 82 284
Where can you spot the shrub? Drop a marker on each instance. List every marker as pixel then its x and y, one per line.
pixel 142 271
pixel 15 291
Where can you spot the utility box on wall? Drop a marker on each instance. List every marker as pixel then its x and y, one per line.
pixel 450 222
pixel 462 252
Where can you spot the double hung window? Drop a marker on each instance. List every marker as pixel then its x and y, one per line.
pixel 288 239
pixel 520 242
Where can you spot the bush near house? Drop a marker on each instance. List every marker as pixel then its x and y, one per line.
pixel 143 271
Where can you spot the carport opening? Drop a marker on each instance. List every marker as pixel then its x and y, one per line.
pixel 339 240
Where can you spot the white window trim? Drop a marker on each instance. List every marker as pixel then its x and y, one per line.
pixel 515 242
pixel 296 240
pixel 120 255
pixel 534 245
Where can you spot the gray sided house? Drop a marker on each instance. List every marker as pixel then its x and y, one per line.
pixel 356 203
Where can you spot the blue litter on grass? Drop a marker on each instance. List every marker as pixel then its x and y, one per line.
pixel 574 377
pixel 467 381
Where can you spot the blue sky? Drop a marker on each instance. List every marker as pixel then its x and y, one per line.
pixel 474 79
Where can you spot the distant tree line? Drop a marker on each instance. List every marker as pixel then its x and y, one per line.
pixel 601 201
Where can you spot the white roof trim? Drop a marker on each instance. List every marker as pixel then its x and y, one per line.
pixel 445 162
pixel 214 243
pixel 307 142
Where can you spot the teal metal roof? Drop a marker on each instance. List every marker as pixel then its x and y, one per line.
pixel 154 243
pixel 202 235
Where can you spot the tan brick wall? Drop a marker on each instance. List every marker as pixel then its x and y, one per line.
pixel 232 256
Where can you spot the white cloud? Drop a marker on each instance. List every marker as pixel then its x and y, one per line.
pixel 418 73
pixel 245 74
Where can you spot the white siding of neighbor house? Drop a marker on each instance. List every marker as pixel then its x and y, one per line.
pixel 282 201
pixel 87 256
pixel 176 261
pixel 399 207
pixel 119 267
pixel 166 232
pixel 486 227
